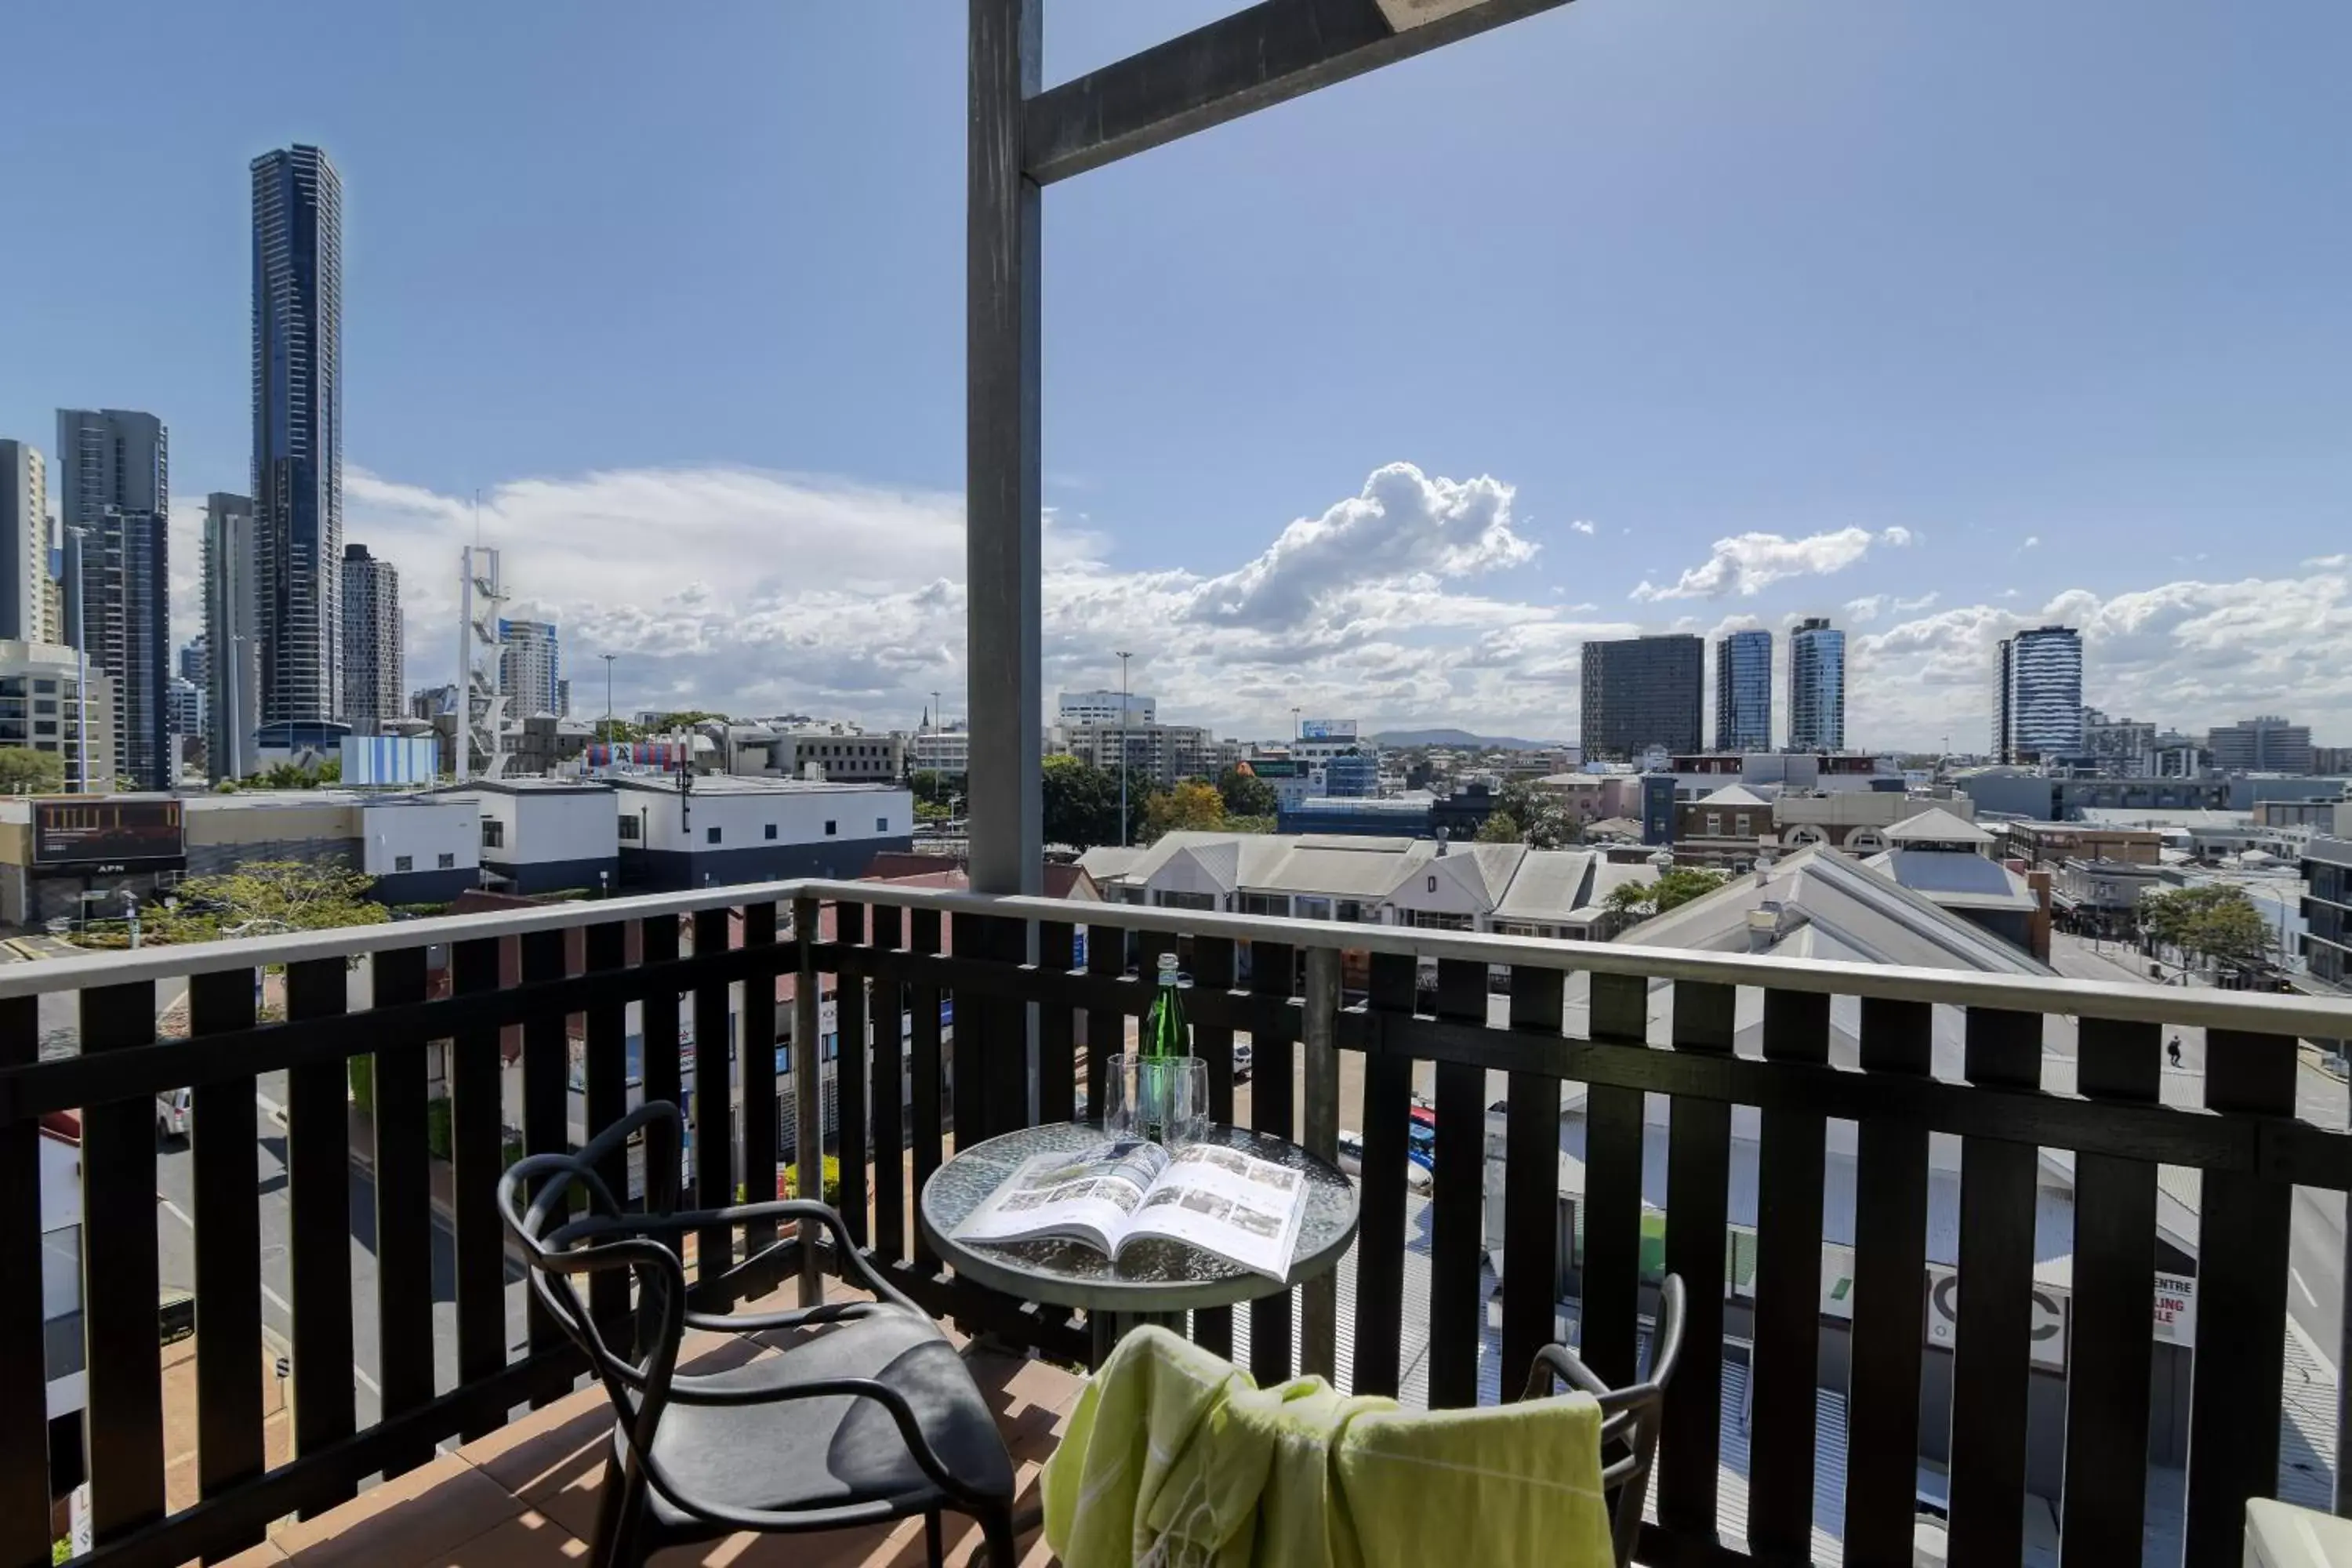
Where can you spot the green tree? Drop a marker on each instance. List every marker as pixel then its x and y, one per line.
pixel 262 897
pixel 2217 922
pixel 24 770
pixel 1081 803
pixel 1500 827
pixel 1675 887
pixel 1543 823
pixel 1250 823
pixel 685 719
pixel 293 776
pixel 1190 806
pixel 1246 794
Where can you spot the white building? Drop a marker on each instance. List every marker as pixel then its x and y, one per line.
pixel 1103 707
pixel 41 709
pixel 528 666
pixel 1157 754
pixel 723 829
pixel 2038 695
pixel 936 751
pixel 544 836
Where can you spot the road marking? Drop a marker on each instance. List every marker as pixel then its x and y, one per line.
pixel 276 1301
pixel 175 1210
pixel 269 1107
pixel 2297 1275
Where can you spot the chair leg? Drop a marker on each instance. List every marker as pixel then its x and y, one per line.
pixel 934 1548
pixel 620 1512
pixel 996 1528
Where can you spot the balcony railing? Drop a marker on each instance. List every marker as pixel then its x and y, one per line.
pixel 885 953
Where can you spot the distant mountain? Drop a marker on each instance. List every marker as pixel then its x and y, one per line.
pixel 1458 738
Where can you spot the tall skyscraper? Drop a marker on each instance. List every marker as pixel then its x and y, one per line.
pixel 1643 691
pixel 1743 693
pixel 2038 695
pixel 194 665
pixel 124 622
pixel 1816 688
pixel 24 540
pixel 371 639
pixel 232 582
pixel 298 432
pixel 527 668
pixel 110 458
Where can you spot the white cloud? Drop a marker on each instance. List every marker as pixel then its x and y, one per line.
pixel 764 592
pixel 1580 526
pixel 1750 563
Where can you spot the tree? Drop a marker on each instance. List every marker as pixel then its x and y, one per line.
pixel 24 770
pixel 1543 823
pixel 1246 794
pixel 293 776
pixel 1500 827
pixel 1190 806
pixel 1675 887
pixel 1081 803
pixel 2216 921
pixel 260 898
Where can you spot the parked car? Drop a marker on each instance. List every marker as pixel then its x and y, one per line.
pixel 171 1113
pixel 1351 1161
pixel 176 1315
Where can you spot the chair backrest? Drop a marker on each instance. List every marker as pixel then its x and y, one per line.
pixel 1630 1417
pixel 535 1200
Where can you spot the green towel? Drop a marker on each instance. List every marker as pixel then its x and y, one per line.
pixel 1175 1459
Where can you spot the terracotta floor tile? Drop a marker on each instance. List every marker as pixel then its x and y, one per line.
pixel 264 1556
pixel 523 1455
pixel 429 1509
pixel 528 1540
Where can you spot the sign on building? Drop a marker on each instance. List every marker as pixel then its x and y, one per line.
pixel 109 833
pixel 1326 729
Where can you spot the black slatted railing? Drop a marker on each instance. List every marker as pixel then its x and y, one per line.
pixel 928 1043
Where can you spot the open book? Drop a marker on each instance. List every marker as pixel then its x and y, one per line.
pixel 1220 1200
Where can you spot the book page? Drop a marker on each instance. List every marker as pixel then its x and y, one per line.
pixel 1222 1201
pixel 1085 1193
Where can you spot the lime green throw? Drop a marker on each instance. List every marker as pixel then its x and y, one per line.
pixel 1175 1459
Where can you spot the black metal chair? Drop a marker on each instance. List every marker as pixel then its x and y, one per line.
pixel 1630 1417
pixel 873 1419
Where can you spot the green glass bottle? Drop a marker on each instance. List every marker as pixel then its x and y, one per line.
pixel 1164 1031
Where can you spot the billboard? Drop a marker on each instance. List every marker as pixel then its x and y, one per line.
pixel 1326 729
pixel 371 760
pixel 102 834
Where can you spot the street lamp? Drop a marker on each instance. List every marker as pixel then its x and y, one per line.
pixel 608 658
pixel 1123 657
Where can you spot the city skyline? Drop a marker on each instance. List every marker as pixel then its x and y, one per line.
pixel 1838 492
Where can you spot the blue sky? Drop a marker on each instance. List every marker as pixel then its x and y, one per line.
pixel 1817 307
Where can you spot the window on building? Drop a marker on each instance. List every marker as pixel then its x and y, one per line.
pixel 629 829
pixel 831 827
pixel 1715 825
pixel 494 835
pixel 1351 911
pixel 1308 909
pixel 45 687
pixel 12 685
pixel 403 862
pixel 881 825
pixel 768 832
pixel 446 860
pixel 1739 825
pixel 1432 884
pixel 1170 900
pixel 44 705
pixel 1265 904
pixel 711 834
pixel 44 727
pixel 1431 920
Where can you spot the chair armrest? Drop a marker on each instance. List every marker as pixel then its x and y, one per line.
pixel 845 1249
pixel 1559 1360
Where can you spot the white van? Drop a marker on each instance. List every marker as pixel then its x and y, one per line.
pixel 171 1113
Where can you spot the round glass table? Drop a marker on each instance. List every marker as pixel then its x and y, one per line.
pixel 1151 1277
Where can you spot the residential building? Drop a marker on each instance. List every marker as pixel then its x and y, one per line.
pixel 186 709
pixel 1854 820
pixel 2327 910
pixel 298 432
pixel 1427 884
pixel 1728 827
pixel 2038 696
pixel 1743 691
pixel 1103 707
pixel 2331 759
pixel 1640 693
pixel 1816 688
pixel 193 663
pixel 547 836
pixel 2118 746
pixel 110 458
pixel 563 698
pixel 946 751
pixel 722 829
pixel 41 708
pixel 1158 756
pixel 24 540
pixel 124 622
pixel 2265 745
pixel 373 638
pixel 233 635
pixel 528 667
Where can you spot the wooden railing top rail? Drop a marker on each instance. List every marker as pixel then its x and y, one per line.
pixel 2312 1017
